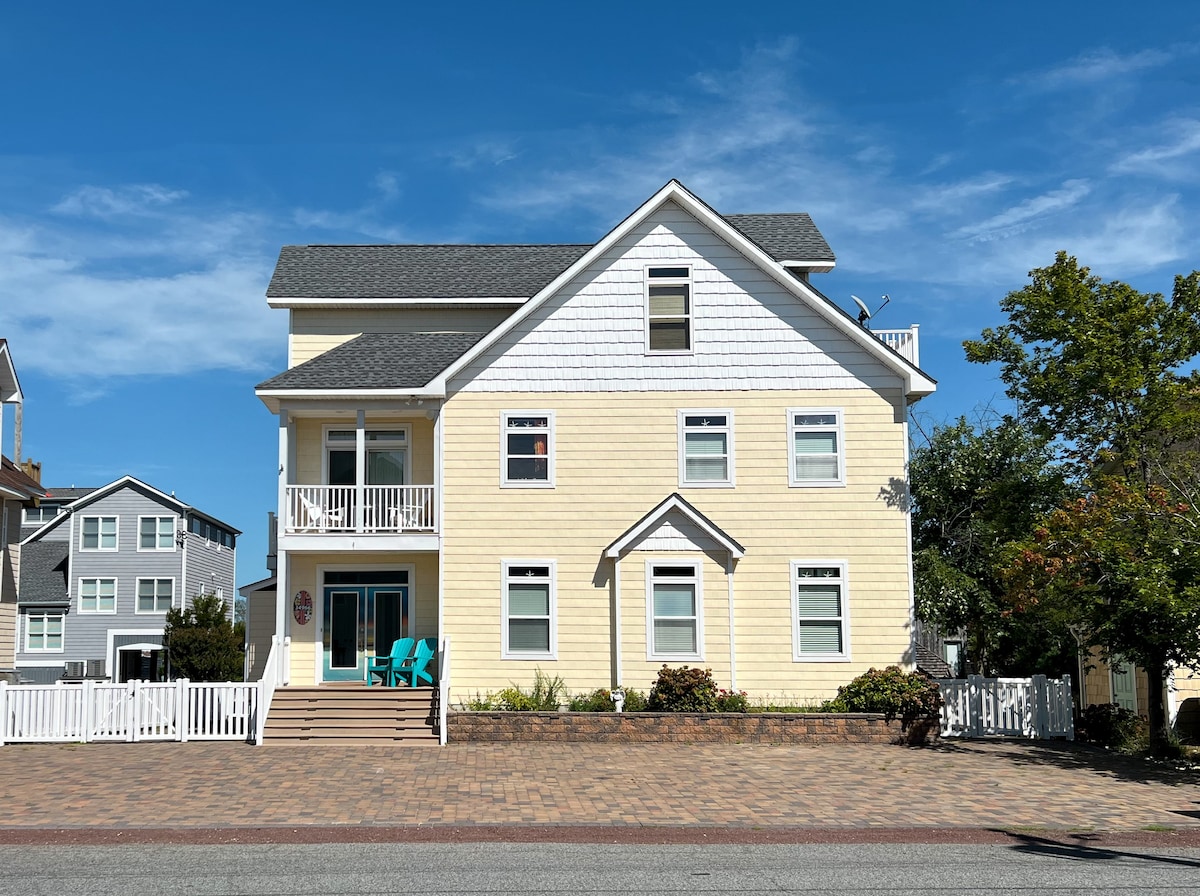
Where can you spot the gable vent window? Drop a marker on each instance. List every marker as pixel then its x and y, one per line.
pixel 669 309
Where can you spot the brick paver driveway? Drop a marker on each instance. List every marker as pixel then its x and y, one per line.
pixel 221 785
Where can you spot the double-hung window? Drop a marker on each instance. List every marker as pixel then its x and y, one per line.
pixel 706 448
pixel 669 309
pixel 155 595
pixel 43 513
pixel 815 453
pixel 820 624
pixel 674 617
pixel 527 449
pixel 44 632
pixel 97 595
pixel 529 610
pixel 98 533
pixel 156 533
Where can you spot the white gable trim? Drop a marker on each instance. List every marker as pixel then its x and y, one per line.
pixel 915 382
pixel 10 387
pixel 655 518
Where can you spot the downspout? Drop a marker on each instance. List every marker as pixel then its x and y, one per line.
pixel 732 648
pixel 908 540
pixel 617 621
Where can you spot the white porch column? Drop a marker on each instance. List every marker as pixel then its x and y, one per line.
pixel 729 562
pixel 284 517
pixel 360 468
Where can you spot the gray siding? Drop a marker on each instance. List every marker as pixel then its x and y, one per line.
pixel 85 635
pixel 210 568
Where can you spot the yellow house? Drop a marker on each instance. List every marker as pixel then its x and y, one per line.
pixel 664 447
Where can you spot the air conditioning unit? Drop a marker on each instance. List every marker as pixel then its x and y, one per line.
pixel 73 669
pixel 95 668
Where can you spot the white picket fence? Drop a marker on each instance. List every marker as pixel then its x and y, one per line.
pixel 1007 707
pixel 131 711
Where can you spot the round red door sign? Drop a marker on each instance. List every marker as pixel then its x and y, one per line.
pixel 302 607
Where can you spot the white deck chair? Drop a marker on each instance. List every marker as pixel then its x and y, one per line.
pixel 320 518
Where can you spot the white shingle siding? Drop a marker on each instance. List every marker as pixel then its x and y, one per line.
pixel 749 333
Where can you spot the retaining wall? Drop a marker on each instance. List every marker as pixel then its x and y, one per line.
pixel 649 727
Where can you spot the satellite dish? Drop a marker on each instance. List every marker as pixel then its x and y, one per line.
pixel 864 313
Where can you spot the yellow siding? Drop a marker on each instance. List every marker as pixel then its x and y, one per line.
pixel 317 330
pixel 10 575
pixel 616 458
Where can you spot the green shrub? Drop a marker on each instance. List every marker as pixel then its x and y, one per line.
pixel 546 695
pixel 1115 727
pixel 683 690
pixel 202 644
pixel 732 701
pixel 908 696
pixel 601 700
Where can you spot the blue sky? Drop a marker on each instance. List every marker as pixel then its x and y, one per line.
pixel 154 157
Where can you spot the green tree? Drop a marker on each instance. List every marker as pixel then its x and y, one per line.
pixel 202 644
pixel 1098 366
pixel 1102 369
pixel 1123 565
pixel 974 490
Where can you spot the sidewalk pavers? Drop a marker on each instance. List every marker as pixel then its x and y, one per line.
pixel 972 784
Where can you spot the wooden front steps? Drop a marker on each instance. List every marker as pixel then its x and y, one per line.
pixel 352 715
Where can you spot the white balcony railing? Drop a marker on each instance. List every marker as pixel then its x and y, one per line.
pixel 903 342
pixel 337 508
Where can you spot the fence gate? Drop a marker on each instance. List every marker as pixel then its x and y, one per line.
pixel 1012 707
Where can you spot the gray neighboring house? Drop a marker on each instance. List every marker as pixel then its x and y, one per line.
pixel 99 570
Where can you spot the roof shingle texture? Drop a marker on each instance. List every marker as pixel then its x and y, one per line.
pixel 485 272
pixel 14 478
pixel 44 572
pixel 378 361
pixel 418 272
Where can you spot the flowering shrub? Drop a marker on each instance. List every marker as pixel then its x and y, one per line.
pixel 732 701
pixel 908 696
pixel 683 690
pixel 601 700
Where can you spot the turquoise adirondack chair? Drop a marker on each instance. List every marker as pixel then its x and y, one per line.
pixel 388 667
pixel 415 666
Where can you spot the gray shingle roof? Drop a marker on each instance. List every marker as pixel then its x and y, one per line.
pixel 64 495
pixel 785 237
pixel 378 361
pixel 44 572
pixel 418 272
pixel 484 272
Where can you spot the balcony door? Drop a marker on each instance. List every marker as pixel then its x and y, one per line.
pixel 360 621
pixel 385 459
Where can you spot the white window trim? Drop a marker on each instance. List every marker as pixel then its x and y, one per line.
pixel 698 580
pixel 116 533
pixel 551 444
pixel 838 428
pixel 683 430
pixel 156 548
pixel 505 652
pixel 137 587
pixel 43 650
pixel 843 580
pixel 691 312
pixel 377 426
pixel 79 595
pixel 26 521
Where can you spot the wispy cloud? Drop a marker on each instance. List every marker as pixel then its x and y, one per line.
pixel 107 202
pixel 173 293
pixel 1097 66
pixel 1027 211
pixel 1167 159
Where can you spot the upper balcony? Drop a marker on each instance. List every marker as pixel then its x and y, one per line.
pixel 324 518
pixel 902 342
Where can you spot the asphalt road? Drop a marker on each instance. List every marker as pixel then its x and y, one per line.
pixel 1031 867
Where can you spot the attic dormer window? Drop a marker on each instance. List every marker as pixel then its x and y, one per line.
pixel 669 309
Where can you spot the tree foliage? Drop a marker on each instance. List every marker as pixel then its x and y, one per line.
pixel 1099 364
pixel 1102 369
pixel 1123 566
pixel 975 490
pixel 202 644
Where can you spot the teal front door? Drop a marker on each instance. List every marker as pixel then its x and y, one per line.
pixel 360 621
